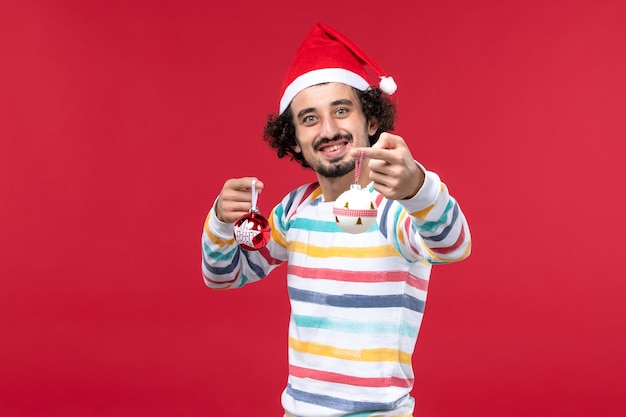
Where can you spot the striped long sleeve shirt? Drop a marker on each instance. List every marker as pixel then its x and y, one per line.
pixel 357 300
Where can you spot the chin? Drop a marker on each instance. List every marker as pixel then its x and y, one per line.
pixel 336 170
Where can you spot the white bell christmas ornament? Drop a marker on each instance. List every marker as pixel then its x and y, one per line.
pixel 354 210
pixel 252 231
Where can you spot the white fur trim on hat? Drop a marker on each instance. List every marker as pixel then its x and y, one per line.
pixel 319 76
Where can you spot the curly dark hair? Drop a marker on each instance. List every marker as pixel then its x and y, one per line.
pixel 280 132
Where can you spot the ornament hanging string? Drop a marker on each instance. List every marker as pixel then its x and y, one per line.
pixel 358 163
pixel 255 196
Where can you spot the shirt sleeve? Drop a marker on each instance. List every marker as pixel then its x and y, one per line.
pixel 226 265
pixel 429 226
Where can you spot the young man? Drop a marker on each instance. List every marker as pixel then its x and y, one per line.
pixel 357 300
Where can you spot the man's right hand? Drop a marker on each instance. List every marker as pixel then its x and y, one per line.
pixel 235 199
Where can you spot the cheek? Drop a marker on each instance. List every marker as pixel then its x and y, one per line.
pixel 304 139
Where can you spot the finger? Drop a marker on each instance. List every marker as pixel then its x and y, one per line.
pixel 379 179
pixel 239 208
pixel 380 166
pixel 385 149
pixel 385 155
pixel 229 207
pixel 244 184
pixel 379 157
pixel 388 141
pixel 383 189
pixel 258 184
pixel 235 196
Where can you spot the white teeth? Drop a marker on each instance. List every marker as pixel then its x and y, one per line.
pixel 333 148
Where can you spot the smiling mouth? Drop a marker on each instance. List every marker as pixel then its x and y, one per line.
pixel 333 146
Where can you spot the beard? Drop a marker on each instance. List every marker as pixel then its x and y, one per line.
pixel 335 170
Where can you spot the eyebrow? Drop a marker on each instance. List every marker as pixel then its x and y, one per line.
pixel 305 111
pixel 341 101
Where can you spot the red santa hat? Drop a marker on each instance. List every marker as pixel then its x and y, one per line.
pixel 328 56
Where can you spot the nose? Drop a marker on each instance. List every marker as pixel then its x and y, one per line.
pixel 330 129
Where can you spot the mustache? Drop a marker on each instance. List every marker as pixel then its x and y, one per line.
pixel 335 138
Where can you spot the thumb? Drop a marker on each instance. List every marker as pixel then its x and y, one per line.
pixel 388 141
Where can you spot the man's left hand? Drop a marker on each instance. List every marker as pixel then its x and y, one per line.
pixel 392 168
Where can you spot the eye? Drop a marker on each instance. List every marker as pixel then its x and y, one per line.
pixel 342 111
pixel 307 120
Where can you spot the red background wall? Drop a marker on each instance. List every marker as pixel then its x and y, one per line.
pixel 119 122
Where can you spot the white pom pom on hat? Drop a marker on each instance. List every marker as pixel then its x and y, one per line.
pixel 328 56
pixel 388 85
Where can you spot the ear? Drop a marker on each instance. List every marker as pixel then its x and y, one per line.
pixel 296 148
pixel 372 126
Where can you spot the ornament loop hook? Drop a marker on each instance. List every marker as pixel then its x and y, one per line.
pixel 255 196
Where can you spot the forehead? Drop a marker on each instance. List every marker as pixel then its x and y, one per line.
pixel 323 95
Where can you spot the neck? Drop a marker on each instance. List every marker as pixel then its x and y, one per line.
pixel 334 187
